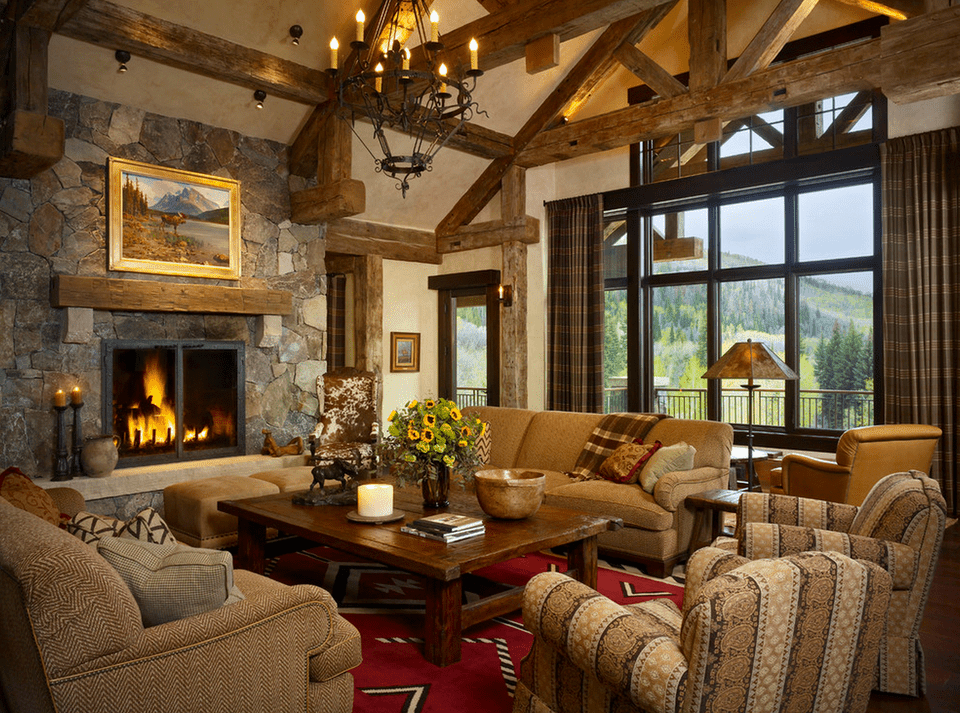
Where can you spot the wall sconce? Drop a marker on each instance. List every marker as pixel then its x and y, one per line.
pixel 122 56
pixel 296 32
pixel 259 95
pixel 505 293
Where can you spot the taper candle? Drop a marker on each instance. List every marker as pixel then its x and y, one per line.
pixel 334 54
pixel 474 61
pixel 375 500
pixel 442 71
pixel 434 27
pixel 360 19
pixel 378 81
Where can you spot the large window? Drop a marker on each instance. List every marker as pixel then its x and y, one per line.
pixel 782 247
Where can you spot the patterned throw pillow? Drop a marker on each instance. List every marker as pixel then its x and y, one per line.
pixel 171 581
pixel 613 431
pixel 147 526
pixel 23 493
pixel 90 527
pixel 624 464
pixel 667 459
pixel 485 446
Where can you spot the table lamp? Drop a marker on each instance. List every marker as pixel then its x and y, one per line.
pixel 750 360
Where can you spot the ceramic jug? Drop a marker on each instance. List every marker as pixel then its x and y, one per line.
pixel 99 455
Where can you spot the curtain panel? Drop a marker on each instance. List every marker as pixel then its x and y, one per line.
pixel 336 320
pixel 575 304
pixel 921 290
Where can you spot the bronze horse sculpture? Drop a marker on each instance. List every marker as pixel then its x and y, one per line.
pixel 345 472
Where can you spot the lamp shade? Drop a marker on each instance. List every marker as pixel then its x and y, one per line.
pixel 752 360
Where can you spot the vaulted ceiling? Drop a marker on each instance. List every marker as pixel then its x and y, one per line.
pixel 557 71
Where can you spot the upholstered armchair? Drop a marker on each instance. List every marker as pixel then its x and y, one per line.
pixel 899 526
pixel 348 424
pixel 799 633
pixel 72 639
pixel 864 455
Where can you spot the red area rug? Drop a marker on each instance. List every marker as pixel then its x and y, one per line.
pixel 386 605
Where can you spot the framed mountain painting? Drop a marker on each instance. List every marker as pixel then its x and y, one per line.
pixel 164 221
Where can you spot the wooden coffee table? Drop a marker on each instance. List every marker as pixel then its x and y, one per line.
pixel 442 565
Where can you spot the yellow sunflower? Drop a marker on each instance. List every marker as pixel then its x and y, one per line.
pixel 429 419
pixel 455 414
pixel 412 435
pixel 427 435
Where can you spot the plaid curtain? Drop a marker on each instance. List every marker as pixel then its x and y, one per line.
pixel 575 304
pixel 336 324
pixel 921 290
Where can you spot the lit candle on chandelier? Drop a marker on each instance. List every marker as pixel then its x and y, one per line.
pixel 406 59
pixel 434 27
pixel 375 500
pixel 443 78
pixel 360 19
pixel 378 81
pixel 334 54
pixel 474 61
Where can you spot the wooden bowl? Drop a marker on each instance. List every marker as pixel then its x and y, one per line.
pixel 510 494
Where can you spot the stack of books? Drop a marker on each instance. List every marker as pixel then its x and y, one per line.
pixel 445 527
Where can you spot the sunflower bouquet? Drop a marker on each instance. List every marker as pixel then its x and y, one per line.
pixel 425 434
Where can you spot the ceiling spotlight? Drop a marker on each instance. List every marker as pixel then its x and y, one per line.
pixel 296 32
pixel 259 95
pixel 122 57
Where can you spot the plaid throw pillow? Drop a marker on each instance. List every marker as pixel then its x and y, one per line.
pixel 613 431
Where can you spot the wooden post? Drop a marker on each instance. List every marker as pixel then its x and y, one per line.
pixel 513 319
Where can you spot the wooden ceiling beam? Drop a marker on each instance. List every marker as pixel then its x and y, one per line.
pixel 649 72
pixel 360 237
pixel 847 69
pixel 50 15
pixel 106 24
pixel 707 35
pixel 767 43
pixel 595 60
pixel 503 36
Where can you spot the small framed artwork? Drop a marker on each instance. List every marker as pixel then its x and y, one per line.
pixel 404 351
pixel 164 221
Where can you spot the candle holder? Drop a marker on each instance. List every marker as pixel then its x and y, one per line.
pixel 62 469
pixel 75 468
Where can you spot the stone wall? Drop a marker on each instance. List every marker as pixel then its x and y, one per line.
pixel 56 224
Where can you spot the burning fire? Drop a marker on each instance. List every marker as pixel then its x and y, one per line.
pixel 154 422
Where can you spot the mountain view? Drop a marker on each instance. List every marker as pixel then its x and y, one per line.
pixel 188 201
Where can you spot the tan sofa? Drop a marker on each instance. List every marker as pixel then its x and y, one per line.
pixel 657 526
pixel 71 638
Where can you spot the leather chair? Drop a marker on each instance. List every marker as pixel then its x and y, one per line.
pixel 72 638
pixel 864 455
pixel 348 422
pixel 899 526
pixel 799 633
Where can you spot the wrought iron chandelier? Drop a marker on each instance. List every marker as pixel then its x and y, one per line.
pixel 409 90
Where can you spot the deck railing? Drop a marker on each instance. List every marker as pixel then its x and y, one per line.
pixel 818 408
pixel 471 396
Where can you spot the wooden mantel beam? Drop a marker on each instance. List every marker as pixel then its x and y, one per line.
pixel 848 69
pixel 106 24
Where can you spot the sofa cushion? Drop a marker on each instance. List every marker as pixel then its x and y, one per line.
pixel 611 431
pixel 508 428
pixel 171 581
pixel 90 527
pixel 633 505
pixel 625 463
pixel 18 490
pixel 668 459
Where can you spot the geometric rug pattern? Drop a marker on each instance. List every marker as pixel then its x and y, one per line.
pixel 386 606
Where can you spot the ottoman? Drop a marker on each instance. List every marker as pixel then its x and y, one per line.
pixel 288 479
pixel 190 508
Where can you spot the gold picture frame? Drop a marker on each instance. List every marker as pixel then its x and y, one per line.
pixel 166 221
pixel 404 351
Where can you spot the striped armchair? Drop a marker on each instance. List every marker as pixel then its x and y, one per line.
pixel 72 641
pixel 899 526
pixel 798 633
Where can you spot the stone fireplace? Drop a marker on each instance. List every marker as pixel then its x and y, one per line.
pixel 53 236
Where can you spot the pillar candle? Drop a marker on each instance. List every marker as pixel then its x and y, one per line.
pixel 75 396
pixel 375 500
pixel 59 398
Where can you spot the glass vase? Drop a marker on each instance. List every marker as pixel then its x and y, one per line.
pixel 435 485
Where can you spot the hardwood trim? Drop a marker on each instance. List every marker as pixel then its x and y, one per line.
pixel 113 295
pixel 476 278
pixel 106 24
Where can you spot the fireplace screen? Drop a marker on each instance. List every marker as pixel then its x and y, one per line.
pixel 174 400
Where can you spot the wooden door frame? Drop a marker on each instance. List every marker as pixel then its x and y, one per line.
pixel 447 286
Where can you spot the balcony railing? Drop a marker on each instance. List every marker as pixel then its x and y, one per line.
pixel 819 408
pixel 471 396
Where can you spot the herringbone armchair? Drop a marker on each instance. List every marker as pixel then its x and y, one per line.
pixel 899 526
pixel 799 633
pixel 72 641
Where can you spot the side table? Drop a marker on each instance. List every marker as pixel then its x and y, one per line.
pixel 710 504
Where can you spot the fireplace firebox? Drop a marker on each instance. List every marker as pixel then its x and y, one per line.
pixel 169 400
